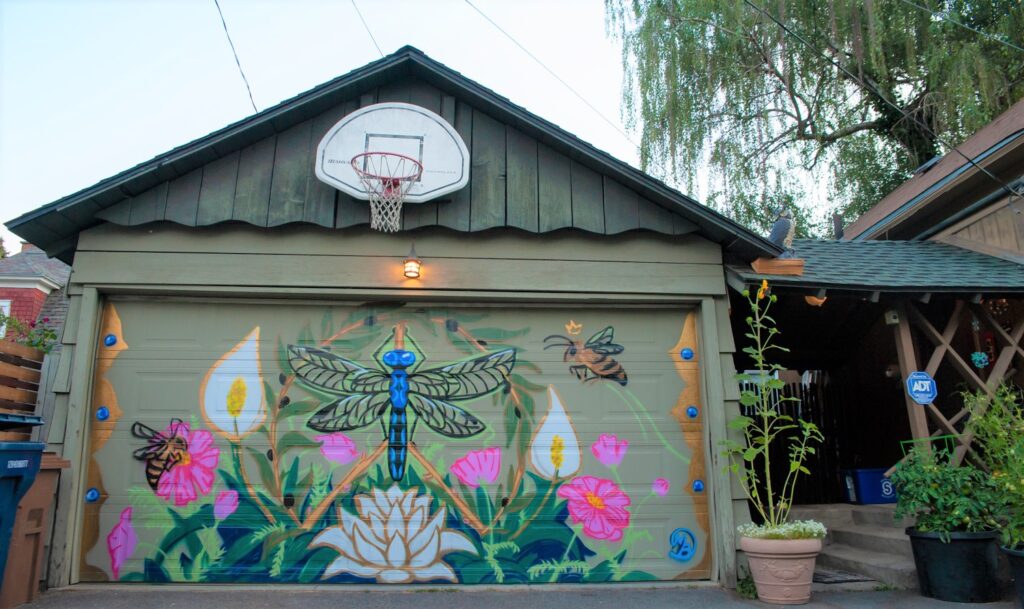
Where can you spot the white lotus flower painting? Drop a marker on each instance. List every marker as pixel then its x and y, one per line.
pixel 394 540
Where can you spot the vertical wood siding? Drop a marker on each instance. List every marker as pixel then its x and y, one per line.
pixel 515 181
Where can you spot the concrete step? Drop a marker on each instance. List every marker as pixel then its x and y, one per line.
pixel 893 569
pixel 873 538
pixel 829 514
pixel 882 515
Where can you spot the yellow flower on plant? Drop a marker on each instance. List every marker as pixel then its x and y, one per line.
pixel 764 289
pixel 555 447
pixel 231 395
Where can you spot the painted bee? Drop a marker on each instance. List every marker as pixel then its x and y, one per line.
pixel 594 358
pixel 163 451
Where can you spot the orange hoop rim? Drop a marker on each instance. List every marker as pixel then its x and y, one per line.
pixel 369 175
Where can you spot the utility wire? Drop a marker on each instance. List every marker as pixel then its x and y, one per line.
pixel 238 63
pixel 885 99
pixel 945 17
pixel 556 76
pixel 367 28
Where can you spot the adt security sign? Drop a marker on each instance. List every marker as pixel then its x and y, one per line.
pixel 921 388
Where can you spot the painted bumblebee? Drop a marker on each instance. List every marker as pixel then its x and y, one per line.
pixel 593 359
pixel 163 450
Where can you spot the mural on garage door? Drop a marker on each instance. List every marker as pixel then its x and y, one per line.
pixel 395 445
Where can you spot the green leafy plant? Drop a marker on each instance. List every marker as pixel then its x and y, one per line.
pixel 997 424
pixel 745 585
pixel 942 497
pixel 36 334
pixel 750 461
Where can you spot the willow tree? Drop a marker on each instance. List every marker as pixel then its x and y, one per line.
pixel 726 99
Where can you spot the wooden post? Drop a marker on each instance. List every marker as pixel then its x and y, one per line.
pixel 907 356
pixel 720 483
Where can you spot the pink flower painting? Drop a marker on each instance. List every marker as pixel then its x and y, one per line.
pixel 609 450
pixel 121 542
pixel 338 448
pixel 599 504
pixel 225 505
pixel 193 475
pixel 660 486
pixel 478 467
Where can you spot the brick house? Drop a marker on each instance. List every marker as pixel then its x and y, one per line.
pixel 32 287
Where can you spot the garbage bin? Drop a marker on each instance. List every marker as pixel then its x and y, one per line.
pixel 866 486
pixel 19 462
pixel 28 541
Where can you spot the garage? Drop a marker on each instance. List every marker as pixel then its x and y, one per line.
pixel 518 377
pixel 226 454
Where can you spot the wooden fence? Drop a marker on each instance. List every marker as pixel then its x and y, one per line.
pixel 20 373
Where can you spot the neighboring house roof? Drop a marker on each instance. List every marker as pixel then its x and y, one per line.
pixel 55 226
pixel 937 193
pixel 34 263
pixel 892 266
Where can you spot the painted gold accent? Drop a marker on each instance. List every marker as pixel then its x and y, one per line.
pixel 693 434
pixel 573 328
pixel 103 394
pixel 236 397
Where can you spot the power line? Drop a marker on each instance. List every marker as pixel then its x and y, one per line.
pixel 367 28
pixel 945 17
pixel 885 99
pixel 238 63
pixel 556 76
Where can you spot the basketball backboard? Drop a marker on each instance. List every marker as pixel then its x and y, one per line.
pixel 400 128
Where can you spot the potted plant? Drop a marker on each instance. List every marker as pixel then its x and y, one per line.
pixel 781 553
pixel 955 509
pixel 997 424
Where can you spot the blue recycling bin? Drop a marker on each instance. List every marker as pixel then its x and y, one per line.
pixel 19 463
pixel 866 486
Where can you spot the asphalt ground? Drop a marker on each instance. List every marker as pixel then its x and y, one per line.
pixel 675 596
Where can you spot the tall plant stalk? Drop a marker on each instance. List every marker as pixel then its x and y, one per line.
pixel 750 461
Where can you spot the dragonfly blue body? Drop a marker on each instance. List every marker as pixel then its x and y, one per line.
pixel 398 392
pixel 364 395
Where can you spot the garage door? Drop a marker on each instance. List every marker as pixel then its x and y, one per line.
pixel 237 442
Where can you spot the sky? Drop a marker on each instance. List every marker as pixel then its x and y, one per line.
pixel 89 88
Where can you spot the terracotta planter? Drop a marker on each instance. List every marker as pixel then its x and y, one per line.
pixel 782 568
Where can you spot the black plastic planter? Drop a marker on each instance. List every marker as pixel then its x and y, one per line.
pixel 961 571
pixel 1017 569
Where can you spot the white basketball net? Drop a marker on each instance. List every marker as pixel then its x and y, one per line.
pixel 387 178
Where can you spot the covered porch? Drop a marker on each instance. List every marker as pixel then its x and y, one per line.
pixel 858 318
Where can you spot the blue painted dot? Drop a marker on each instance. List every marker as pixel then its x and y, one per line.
pixel 110 340
pixel 102 413
pixel 92 495
pixel 692 412
pixel 686 353
pixel 698 486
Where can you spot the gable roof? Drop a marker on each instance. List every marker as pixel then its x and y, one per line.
pixel 892 267
pixel 32 263
pixel 950 184
pixel 55 226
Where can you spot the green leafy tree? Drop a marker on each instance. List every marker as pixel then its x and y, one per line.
pixel 722 95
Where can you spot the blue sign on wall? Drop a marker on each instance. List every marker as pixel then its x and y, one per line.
pixel 921 388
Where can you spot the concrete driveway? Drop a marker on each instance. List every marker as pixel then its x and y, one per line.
pixel 673 596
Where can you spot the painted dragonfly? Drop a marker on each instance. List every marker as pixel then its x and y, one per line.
pixel 366 394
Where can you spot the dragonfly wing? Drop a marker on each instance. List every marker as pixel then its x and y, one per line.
pixel 328 371
pixel 444 418
pixel 467 379
pixel 350 412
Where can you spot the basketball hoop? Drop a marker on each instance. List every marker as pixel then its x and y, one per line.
pixel 387 178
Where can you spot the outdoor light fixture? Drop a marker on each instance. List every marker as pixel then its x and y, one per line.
pixel 412 264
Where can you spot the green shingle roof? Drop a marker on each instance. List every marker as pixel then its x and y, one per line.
pixel 893 266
